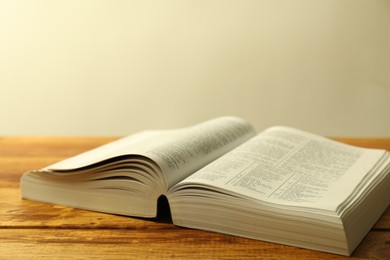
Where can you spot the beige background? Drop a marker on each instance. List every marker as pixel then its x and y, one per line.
pixel 116 67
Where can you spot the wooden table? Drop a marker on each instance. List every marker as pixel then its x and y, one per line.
pixel 31 230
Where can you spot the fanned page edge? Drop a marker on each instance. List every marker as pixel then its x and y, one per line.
pixel 105 152
pixel 136 145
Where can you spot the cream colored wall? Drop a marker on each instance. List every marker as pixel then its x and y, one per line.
pixel 116 67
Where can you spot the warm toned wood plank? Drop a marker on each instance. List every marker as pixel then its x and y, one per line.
pixel 384 221
pixel 31 226
pixel 21 154
pixel 12 167
pixel 47 146
pixel 171 243
pixel 376 245
pixel 18 213
pixel 36 229
pixel 379 143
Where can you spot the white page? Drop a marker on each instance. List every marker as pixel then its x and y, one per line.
pixel 132 144
pixel 291 167
pixel 178 152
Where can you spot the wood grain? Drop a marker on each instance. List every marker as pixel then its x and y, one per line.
pixel 41 231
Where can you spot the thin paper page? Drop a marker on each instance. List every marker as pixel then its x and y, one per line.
pixel 178 152
pixel 288 166
pixel 187 150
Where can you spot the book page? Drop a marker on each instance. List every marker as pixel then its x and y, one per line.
pixel 291 167
pixel 178 152
pixel 185 151
pixel 128 145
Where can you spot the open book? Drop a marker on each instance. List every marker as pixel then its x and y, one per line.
pixel 282 185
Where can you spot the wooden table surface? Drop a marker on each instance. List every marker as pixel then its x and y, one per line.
pixel 32 230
